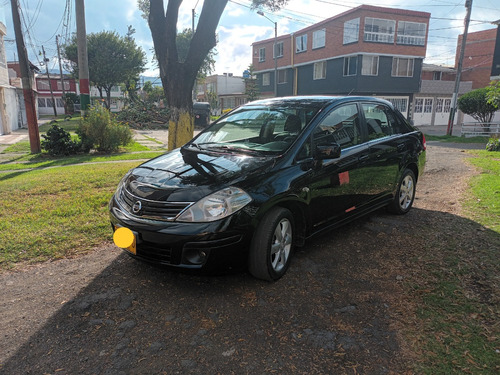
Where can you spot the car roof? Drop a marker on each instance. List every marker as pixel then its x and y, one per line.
pixel 319 100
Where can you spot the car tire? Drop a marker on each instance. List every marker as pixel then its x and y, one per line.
pixel 272 245
pixel 405 195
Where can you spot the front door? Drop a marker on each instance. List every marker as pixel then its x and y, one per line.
pixel 337 186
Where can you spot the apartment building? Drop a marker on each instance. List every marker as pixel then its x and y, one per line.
pixel 367 50
pixel 46 99
pixel 481 48
pixel 481 64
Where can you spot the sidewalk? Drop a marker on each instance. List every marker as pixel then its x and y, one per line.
pixel 436 129
pixel 12 138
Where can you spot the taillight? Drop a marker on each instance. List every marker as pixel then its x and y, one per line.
pixel 423 141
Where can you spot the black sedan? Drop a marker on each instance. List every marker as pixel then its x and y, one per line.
pixel 264 178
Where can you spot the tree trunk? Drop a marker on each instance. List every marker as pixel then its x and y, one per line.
pixel 178 78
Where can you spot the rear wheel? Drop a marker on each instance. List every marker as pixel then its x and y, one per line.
pixel 272 245
pixel 405 195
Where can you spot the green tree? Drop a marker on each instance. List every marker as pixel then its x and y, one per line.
pixel 112 60
pixel 178 75
pixel 251 87
pixel 475 104
pixel 493 94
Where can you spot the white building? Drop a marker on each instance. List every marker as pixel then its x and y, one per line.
pixel 229 91
pixel 9 106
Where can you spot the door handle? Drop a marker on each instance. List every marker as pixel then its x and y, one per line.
pixel 363 157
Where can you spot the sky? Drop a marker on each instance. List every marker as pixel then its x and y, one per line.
pixel 238 28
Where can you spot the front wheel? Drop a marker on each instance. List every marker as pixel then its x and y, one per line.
pixel 405 195
pixel 272 245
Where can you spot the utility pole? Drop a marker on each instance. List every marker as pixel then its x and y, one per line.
pixel 29 96
pixel 61 73
pixel 453 109
pixel 46 62
pixel 192 20
pixel 83 61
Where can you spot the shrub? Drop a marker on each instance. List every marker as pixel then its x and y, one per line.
pixel 58 141
pixel 493 144
pixel 101 131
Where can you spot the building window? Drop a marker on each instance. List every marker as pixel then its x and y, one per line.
pixel 369 66
pixel 439 105
pixel 279 49
pixel 379 30
pixel 301 43
pixel 282 76
pixel 411 33
pixel 319 70
pixel 59 86
pixel 59 103
pixel 428 106
pixel 401 104
pixel 43 84
pixel 266 79
pixel 419 105
pixel 437 76
pixel 262 54
pixel 319 38
pixel 351 31
pixel 402 67
pixel 350 65
pixel 50 102
pixel 447 105
pixel 41 102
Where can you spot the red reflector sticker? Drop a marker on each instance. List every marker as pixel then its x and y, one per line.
pixel 344 178
pixel 350 209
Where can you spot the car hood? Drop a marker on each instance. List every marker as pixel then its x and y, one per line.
pixel 187 176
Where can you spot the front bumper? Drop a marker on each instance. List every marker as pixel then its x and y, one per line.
pixel 219 244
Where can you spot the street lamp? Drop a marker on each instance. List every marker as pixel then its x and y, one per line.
pixel 275 54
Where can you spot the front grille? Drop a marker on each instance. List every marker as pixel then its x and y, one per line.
pixel 157 210
pixel 155 253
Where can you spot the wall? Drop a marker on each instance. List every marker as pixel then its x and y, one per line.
pixel 478 57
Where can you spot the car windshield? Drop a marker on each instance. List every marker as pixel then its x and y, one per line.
pixel 269 129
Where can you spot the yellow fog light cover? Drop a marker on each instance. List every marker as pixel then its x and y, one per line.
pixel 123 237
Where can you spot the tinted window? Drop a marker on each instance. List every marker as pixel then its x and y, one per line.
pixel 380 121
pixel 340 126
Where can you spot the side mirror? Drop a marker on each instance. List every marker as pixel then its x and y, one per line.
pixel 327 152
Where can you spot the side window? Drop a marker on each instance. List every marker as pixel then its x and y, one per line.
pixel 394 123
pixel 377 123
pixel 340 126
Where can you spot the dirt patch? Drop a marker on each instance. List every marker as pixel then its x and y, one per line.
pixel 341 308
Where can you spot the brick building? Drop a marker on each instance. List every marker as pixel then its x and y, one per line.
pixel 481 64
pixel 44 97
pixel 367 50
pixel 478 56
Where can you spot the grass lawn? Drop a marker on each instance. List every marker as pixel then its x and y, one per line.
pixel 455 139
pixel 483 204
pixel 457 294
pixel 69 125
pixel 57 212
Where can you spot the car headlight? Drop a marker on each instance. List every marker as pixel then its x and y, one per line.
pixel 216 206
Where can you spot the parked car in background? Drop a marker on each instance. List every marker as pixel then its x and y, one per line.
pixel 262 179
pixel 201 112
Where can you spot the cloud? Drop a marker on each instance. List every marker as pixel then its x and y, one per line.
pixel 234 47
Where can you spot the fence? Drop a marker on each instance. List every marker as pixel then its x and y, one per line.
pixel 473 129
